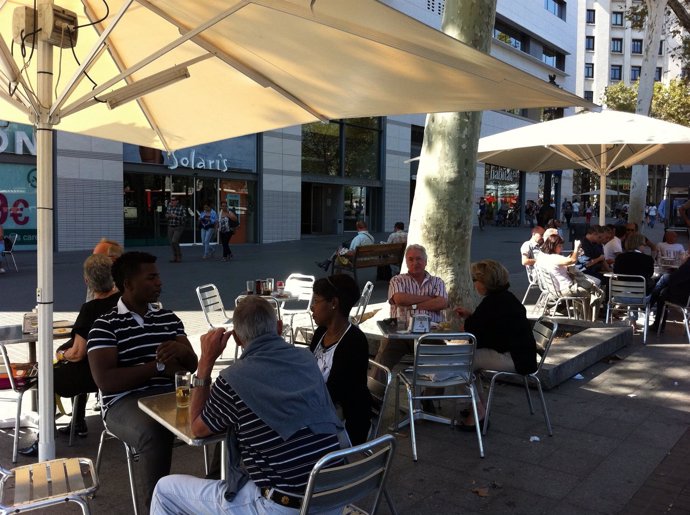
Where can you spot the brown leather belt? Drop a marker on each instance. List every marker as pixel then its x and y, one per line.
pixel 282 498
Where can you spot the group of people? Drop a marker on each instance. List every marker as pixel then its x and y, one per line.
pixel 225 223
pixel 619 249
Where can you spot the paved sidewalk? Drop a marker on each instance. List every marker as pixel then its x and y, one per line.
pixel 620 442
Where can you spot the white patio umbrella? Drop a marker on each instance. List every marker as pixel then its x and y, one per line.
pixel 238 67
pixel 601 142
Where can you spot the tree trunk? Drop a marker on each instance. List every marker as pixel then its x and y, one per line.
pixel 444 206
pixel 640 176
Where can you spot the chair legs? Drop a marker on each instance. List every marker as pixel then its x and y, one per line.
pixel 526 380
pixel 131 457
pixel 17 423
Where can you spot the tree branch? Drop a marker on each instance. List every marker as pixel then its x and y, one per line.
pixel 681 13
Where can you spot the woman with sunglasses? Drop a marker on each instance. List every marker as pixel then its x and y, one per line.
pixel 342 352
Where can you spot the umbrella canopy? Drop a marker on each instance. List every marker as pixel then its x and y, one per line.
pixel 601 142
pixel 607 193
pixel 243 67
pixel 176 74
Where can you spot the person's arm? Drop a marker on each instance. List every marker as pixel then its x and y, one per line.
pixel 177 354
pixel 528 261
pixel 110 378
pixel 212 345
pixel 77 351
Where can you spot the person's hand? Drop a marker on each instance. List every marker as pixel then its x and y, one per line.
pixel 171 352
pixel 462 312
pixel 213 343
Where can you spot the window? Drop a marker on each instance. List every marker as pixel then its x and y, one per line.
pixel 617 18
pixel 589 70
pixel 657 74
pixel 636 46
pixel 635 72
pixel 556 7
pixel 617 45
pixel 590 16
pixel 553 58
pixel 661 48
pixel 589 42
pixel 510 36
pixel 589 95
pixel 616 72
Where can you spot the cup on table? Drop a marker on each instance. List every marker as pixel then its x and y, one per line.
pixel 258 289
pixel 250 287
pixel 270 284
pixel 183 381
pixel 280 287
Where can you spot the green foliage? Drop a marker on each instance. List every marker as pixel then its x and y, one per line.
pixel 670 103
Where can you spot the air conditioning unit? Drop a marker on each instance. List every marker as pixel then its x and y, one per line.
pixel 55 22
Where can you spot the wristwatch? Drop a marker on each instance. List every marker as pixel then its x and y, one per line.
pixel 198 381
pixel 160 367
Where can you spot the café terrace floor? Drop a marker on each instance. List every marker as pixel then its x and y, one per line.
pixel 621 441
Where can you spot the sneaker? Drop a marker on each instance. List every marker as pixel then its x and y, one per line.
pixel 81 430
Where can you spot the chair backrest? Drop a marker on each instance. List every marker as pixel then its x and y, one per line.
pixel 627 289
pixel 362 303
pixel 301 286
pixel 544 332
pixel 10 242
pixel 546 282
pixel 531 274
pixel 379 394
pixel 20 377
pixel 346 476
pixel 444 363
pixel 210 301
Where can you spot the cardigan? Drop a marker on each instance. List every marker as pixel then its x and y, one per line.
pixel 500 323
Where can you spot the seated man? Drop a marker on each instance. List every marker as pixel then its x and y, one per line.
pixel 633 261
pixel 398 235
pixel 591 260
pixel 134 351
pixel 615 245
pixel 362 238
pixel 530 248
pixel 279 414
pixel 669 245
pixel 633 228
pixel 416 291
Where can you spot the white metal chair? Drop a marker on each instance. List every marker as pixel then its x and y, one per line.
pixel 544 332
pixel 333 484
pixel 437 365
pixel 685 310
pixel 47 483
pixel 302 287
pixel 379 399
pixel 10 252
pixel 212 306
pixel 574 306
pixel 628 293
pixel 13 389
pixel 361 306
pixel 532 282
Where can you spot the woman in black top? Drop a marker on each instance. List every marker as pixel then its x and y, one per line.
pixel 504 335
pixel 342 352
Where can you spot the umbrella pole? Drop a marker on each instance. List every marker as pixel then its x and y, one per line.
pixel 602 199
pixel 44 290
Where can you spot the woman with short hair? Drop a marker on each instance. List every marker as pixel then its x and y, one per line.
pixel 499 323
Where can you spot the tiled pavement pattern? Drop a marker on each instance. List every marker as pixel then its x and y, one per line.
pixel 620 441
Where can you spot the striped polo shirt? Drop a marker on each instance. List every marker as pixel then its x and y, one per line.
pixel 269 460
pixel 404 283
pixel 136 340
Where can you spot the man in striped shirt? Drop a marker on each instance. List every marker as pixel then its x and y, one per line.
pixel 134 351
pixel 279 413
pixel 416 291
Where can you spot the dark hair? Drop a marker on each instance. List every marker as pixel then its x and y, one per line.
pixel 340 286
pixel 550 244
pixel 399 225
pixel 619 231
pixel 128 265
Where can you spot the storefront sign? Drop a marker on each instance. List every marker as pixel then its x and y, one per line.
pixel 501 173
pixel 18 203
pixel 17 139
pixel 191 160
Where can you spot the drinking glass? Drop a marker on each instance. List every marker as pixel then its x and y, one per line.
pixel 270 283
pixel 250 287
pixel 183 381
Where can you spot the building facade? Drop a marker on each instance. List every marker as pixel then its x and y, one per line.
pixel 311 179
